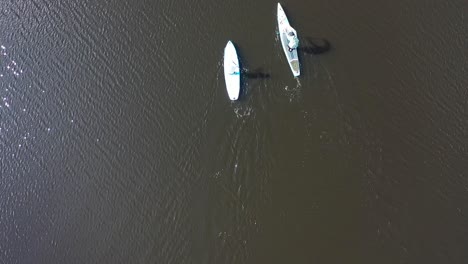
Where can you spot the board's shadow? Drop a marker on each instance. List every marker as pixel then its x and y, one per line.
pixel 315 46
pixel 257 73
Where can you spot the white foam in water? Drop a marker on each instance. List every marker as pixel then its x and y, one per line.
pixel 298 81
pixel 243 111
pixel 294 93
pixel 11 65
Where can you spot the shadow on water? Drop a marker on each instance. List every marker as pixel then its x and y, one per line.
pixel 255 74
pixel 315 46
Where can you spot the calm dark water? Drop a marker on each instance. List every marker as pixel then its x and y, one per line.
pixel 118 143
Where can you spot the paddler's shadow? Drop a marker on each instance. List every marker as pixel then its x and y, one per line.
pixel 315 46
pixel 255 74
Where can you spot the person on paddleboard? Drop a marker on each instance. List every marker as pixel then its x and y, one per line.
pixel 234 69
pixel 293 42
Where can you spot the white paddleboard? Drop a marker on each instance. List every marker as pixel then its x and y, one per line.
pixel 231 71
pixel 284 27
